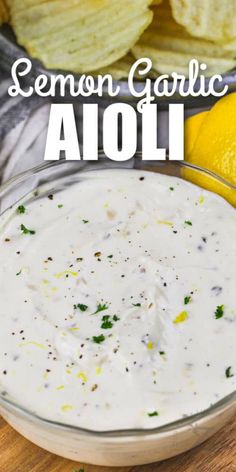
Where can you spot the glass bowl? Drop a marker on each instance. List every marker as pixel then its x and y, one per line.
pixel 113 448
pixel 11 51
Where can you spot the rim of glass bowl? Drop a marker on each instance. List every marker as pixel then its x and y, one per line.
pixel 11 51
pixel 181 424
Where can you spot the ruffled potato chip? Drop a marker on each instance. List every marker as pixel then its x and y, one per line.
pixel 79 35
pixel 171 47
pixel 119 69
pixel 208 19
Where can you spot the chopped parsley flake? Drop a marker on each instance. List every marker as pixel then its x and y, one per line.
pixel 116 318
pixel 138 305
pixel 21 209
pixel 101 307
pixel 110 257
pixel 26 230
pixel 106 322
pixel 18 273
pixel 188 223
pixel 59 206
pixel 99 339
pixel 187 300
pixel 219 313
pixel 153 413
pixel 228 373
pixel 85 221
pixel 81 307
pixel 171 189
pixel 162 353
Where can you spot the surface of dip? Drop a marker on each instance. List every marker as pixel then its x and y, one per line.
pixel 117 301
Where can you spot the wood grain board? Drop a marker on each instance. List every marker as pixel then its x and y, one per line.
pixel 216 455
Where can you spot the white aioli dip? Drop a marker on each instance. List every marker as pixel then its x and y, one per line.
pixel 117 301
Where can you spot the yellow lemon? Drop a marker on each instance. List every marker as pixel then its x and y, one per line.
pixel 210 141
pixel 192 129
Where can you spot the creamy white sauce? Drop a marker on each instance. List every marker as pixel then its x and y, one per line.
pixel 157 256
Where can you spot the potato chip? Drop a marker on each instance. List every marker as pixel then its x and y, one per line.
pixel 79 35
pixel 119 70
pixel 21 5
pixel 3 12
pixel 209 19
pixel 170 47
pixel 230 46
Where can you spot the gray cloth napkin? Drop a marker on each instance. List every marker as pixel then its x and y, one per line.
pixel 23 147
pixel 23 127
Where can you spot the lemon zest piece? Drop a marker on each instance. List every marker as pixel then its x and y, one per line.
pixel 150 345
pixel 66 272
pixel 66 408
pixel 82 376
pixel 183 316
pixel 33 343
pixel 163 222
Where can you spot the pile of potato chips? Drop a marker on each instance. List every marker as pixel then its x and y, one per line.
pixel 106 36
pixel 170 46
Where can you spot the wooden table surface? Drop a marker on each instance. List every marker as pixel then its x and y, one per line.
pixel 216 455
